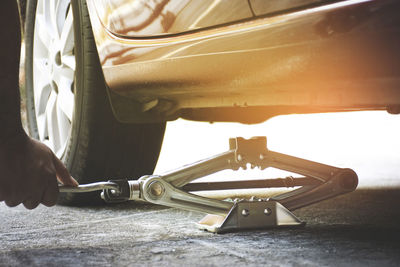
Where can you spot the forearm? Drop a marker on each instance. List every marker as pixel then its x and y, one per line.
pixel 10 39
pixel 10 118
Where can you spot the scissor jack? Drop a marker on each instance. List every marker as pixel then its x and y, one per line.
pixel 174 189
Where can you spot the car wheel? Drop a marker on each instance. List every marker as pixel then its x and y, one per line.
pixel 67 104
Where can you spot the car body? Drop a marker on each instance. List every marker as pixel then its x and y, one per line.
pixel 244 60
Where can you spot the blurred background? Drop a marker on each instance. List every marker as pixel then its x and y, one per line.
pixel 368 142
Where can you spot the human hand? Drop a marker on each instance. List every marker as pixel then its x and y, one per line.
pixel 28 173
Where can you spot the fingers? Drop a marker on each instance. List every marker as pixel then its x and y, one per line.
pixel 50 195
pixel 62 173
pixel 47 194
pixel 31 203
pixel 12 203
pixel 2 195
pixel 13 197
pixel 49 187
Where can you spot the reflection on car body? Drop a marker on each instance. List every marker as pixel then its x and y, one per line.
pixel 290 56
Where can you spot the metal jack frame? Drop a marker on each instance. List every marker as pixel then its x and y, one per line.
pixel 174 189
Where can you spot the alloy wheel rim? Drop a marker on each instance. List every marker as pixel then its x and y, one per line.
pixel 53 73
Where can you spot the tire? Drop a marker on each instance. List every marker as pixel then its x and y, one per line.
pixel 96 146
pixel 22 10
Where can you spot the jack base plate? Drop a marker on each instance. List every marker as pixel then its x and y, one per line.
pixel 250 215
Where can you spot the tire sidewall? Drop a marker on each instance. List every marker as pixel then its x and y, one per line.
pixel 29 37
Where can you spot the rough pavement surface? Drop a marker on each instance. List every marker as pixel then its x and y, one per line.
pixel 358 229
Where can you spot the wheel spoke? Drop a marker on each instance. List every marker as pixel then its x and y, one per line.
pixel 67 73
pixel 69 61
pixel 51 119
pixel 53 16
pixel 41 122
pixel 64 126
pixel 67 36
pixel 61 74
pixel 66 102
pixel 49 24
pixel 45 35
pixel 58 14
pixel 41 96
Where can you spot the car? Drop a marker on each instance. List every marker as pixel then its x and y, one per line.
pixel 104 77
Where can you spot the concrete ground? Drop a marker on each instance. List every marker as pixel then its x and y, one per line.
pixel 358 229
